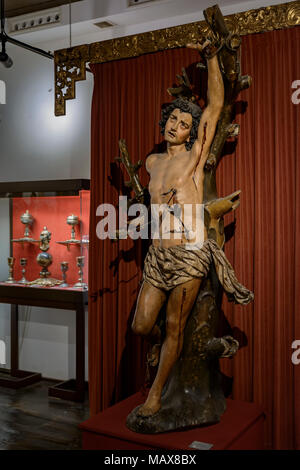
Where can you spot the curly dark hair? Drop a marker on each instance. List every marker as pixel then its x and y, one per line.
pixel 185 107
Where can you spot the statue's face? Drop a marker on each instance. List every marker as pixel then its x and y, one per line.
pixel 178 127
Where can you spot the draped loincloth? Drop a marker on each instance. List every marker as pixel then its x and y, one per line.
pixel 166 268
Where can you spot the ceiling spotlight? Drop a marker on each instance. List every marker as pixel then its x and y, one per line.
pixel 4 38
pixel 5 60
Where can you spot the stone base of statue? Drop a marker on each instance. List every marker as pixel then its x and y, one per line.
pixel 193 395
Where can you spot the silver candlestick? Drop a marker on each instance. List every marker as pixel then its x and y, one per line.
pixel 11 262
pixel 80 284
pixel 64 266
pixel 23 263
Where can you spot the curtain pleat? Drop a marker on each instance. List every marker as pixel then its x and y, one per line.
pixel 262 234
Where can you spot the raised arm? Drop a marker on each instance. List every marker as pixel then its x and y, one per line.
pixel 211 114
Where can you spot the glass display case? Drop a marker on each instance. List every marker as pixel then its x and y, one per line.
pixel 44 234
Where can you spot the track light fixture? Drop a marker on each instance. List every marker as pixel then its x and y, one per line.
pixel 4 58
pixel 4 38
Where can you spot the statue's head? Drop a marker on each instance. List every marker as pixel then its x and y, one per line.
pixel 184 116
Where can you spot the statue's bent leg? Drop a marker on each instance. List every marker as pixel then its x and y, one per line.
pixel 179 306
pixel 149 304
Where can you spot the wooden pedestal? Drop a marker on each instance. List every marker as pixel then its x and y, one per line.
pixel 241 428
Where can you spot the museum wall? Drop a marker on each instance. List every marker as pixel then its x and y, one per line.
pixel 36 145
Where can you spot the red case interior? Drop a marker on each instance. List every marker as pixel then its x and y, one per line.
pixel 51 212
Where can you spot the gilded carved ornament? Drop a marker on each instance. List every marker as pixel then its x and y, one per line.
pixel 70 64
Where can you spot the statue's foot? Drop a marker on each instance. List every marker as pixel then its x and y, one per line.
pixel 150 407
pixel 153 355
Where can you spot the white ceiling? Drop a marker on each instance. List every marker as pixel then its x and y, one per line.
pixel 153 15
pixel 18 7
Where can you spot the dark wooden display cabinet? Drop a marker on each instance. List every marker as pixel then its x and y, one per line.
pixel 69 298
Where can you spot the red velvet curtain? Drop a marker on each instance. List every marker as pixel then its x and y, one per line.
pixel 264 250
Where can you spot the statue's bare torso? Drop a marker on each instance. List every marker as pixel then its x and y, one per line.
pixel 173 181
